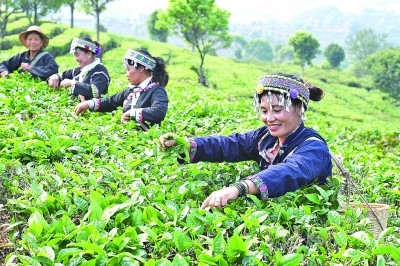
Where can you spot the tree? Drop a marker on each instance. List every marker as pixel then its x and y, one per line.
pixel 260 50
pixel 364 43
pixel 202 24
pixel 35 9
pixel 160 35
pixel 72 5
pixel 305 48
pixel 94 8
pixel 238 44
pixel 384 66
pixel 284 53
pixel 7 8
pixel 334 53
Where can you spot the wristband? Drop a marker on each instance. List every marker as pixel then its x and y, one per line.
pixel 242 189
pixel 90 104
pixel 247 186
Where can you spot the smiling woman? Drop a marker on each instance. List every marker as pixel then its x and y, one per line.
pixel 35 61
pixel 90 79
pixel 286 151
pixel 145 101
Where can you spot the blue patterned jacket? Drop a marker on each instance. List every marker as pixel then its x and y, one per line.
pixel 303 157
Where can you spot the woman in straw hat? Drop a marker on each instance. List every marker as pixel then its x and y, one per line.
pixel 35 61
pixel 145 101
pixel 90 79
pixel 289 154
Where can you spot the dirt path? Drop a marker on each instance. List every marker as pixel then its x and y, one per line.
pixel 3 237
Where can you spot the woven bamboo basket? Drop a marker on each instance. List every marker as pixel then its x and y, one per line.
pixel 376 213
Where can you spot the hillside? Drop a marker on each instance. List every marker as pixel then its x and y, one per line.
pixel 87 189
pixel 327 23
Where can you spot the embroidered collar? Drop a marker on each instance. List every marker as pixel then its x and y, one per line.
pixel 87 68
pixel 144 85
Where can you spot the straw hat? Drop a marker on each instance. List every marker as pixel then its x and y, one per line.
pixel 37 30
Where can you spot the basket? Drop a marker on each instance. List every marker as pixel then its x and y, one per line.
pixel 376 213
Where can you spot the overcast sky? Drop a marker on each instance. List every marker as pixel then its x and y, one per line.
pixel 250 10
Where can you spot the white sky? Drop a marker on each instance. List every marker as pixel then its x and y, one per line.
pixel 242 10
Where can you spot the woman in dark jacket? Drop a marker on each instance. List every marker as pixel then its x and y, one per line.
pixel 289 154
pixel 145 101
pixel 35 61
pixel 90 79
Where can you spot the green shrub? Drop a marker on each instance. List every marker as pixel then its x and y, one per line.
pixel 5 44
pixel 354 84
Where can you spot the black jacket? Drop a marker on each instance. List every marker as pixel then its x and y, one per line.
pixel 43 67
pixel 154 103
pixel 94 84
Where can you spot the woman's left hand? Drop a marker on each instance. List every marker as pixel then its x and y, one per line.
pixel 125 117
pixel 220 198
pixel 26 67
pixel 66 83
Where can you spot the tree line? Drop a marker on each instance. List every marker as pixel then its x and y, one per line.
pixel 205 28
pixel 37 9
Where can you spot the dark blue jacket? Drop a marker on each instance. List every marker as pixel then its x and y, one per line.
pixel 152 102
pixel 43 68
pixel 303 157
pixel 94 83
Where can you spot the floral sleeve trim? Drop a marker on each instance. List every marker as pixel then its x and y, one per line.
pixel 96 104
pixel 192 150
pixel 260 185
pixel 95 91
pixel 138 115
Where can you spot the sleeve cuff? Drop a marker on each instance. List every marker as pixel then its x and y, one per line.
pixel 136 114
pixel 260 185
pixel 90 104
pixel 73 86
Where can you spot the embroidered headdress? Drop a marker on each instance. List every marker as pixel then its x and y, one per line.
pixel 85 45
pixel 138 57
pixel 287 87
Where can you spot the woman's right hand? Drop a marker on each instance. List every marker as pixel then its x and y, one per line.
pixel 167 140
pixel 81 107
pixel 53 81
pixel 4 73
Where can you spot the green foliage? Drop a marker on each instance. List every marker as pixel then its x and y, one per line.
pixel 8 13
pixel 334 53
pixel 284 53
pixel 305 48
pixel 160 35
pixel 202 24
pixel 36 9
pixel 384 67
pixel 95 8
pixel 258 49
pixel 52 29
pixel 6 44
pixel 60 44
pixel 238 45
pixel 364 43
pixel 89 190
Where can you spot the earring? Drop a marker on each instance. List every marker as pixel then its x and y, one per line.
pixel 303 115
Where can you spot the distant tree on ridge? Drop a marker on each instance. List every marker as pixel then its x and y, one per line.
pixel 305 48
pixel 203 25
pixel 94 8
pixel 334 53
pixel 155 34
pixel 7 8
